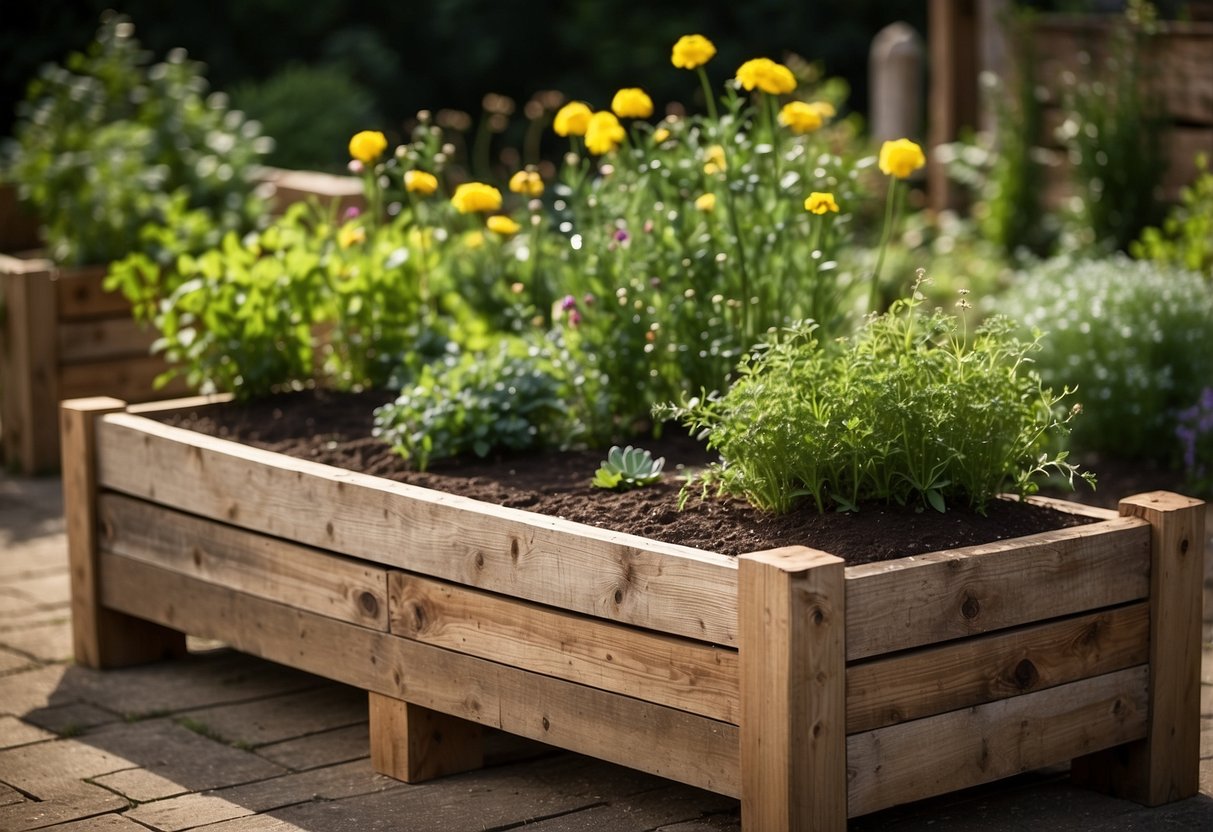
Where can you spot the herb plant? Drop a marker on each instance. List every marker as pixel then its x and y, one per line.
pixel 626 468
pixel 1185 239
pixel 913 409
pixel 105 142
pixel 1135 337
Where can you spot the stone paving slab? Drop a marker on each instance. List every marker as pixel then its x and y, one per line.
pixel 228 743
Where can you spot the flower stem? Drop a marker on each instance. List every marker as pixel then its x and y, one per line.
pixel 708 97
pixel 890 217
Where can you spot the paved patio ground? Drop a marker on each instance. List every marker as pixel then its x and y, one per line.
pixel 229 743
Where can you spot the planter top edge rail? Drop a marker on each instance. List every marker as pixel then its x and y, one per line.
pixel 612 575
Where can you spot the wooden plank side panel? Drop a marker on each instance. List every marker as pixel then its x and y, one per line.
pixel 264 567
pixel 82 341
pixel 663 741
pixel 81 296
pixel 933 680
pixel 911 602
pixel 659 586
pixel 977 745
pixel 131 377
pixel 28 378
pixel 676 672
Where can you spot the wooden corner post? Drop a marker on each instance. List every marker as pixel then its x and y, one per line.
pixel 792 656
pixel 415 744
pixel 1165 766
pixel 101 637
pixel 29 365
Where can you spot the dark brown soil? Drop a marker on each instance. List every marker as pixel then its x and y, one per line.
pixel 335 429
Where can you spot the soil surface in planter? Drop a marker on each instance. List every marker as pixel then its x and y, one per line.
pixel 336 430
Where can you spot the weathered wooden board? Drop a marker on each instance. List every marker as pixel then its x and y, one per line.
pixel 81 341
pixel 663 587
pixel 899 604
pixel 960 674
pixel 130 378
pixel 663 741
pixel 81 296
pixel 964 748
pixel 29 379
pixel 676 672
pixel 265 567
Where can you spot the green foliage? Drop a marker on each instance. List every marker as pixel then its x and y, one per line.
pixel 504 399
pixel 1136 338
pixel 1111 131
pixel 107 142
pixel 1185 239
pixel 626 468
pixel 303 301
pixel 911 409
pixel 311 111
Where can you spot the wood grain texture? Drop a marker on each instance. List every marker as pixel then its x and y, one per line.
pixel 28 367
pixel 131 377
pixel 80 295
pixel 680 673
pixel 663 741
pixel 964 748
pixel 896 605
pixel 1166 765
pixel 793 690
pixel 100 637
pixel 415 744
pixel 621 577
pixel 81 341
pixel 265 567
pixel 932 680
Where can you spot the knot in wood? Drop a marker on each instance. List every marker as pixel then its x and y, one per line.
pixel 369 603
pixel 618 597
pixel 1026 675
pixel 970 608
pixel 1183 546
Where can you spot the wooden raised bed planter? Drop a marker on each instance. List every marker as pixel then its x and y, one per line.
pixel 810 690
pixel 62 336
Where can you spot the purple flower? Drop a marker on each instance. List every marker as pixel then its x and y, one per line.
pixel 621 235
pixel 568 303
pixel 574 318
pixel 588 300
pixel 353 212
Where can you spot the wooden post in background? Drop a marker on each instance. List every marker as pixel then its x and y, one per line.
pixel 29 364
pixel 1165 766
pixel 101 637
pixel 895 72
pixel 415 744
pixel 792 655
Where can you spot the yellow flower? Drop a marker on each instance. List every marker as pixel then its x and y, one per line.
pixel 800 117
pixel 820 203
pixel 632 102
pixel 473 239
pixel 503 225
pixel 692 51
pixel 420 182
pixel 706 203
pixel 766 75
pixel 350 235
pixel 368 146
pixel 471 197
pixel 660 135
pixel 527 182
pixel 900 158
pixel 713 160
pixel 824 109
pixel 604 133
pixel 572 119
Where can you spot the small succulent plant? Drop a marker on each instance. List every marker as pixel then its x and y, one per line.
pixel 626 468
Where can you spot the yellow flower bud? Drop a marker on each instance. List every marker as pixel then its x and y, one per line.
pixel 766 75
pixel 824 109
pixel 527 182
pixel 473 239
pixel 820 203
pixel 420 182
pixel 692 51
pixel 660 135
pixel 706 203
pixel 503 225
pixel 368 146
pixel 800 117
pixel 573 119
pixel 714 160
pixel 351 235
pixel 472 197
pixel 900 158
pixel 632 102
pixel 604 133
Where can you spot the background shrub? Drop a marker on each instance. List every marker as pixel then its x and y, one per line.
pixel 1135 337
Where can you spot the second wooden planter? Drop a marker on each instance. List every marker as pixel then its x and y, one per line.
pixel 812 691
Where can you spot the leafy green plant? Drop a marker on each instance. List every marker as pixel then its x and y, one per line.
pixel 1185 239
pixel 503 399
pixel 1135 337
pixel 626 468
pixel 912 409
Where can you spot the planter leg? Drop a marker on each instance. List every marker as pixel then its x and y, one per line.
pixel 415 744
pixel 792 657
pixel 29 367
pixel 101 637
pixel 1165 766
